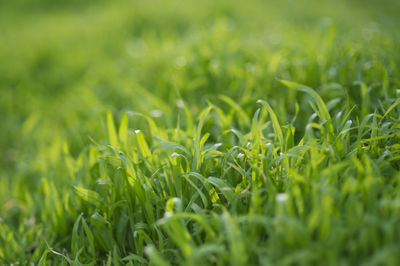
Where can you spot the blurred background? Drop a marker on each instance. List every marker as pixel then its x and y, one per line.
pixel 64 63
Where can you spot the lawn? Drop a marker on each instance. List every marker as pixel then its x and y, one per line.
pixel 200 132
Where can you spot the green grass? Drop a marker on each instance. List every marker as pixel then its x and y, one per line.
pixel 199 133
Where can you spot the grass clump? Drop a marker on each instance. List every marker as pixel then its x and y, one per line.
pixel 213 134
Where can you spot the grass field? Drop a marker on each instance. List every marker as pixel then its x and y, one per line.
pixel 199 132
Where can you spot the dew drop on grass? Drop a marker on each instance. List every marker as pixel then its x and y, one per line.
pixel 282 197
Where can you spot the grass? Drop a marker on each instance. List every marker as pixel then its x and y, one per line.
pixel 219 133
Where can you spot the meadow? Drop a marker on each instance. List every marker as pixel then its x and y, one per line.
pixel 200 132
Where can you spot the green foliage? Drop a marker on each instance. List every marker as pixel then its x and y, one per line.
pixel 199 133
